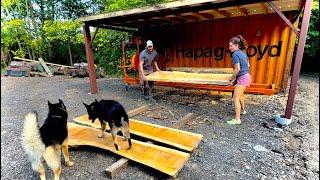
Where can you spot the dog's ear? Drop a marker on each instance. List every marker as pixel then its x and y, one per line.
pixel 96 100
pixel 86 105
pixel 49 104
pixel 61 103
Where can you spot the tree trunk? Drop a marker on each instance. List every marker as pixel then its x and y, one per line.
pixel 70 54
pixel 42 18
pixel 29 53
pixel 30 7
pixel 33 55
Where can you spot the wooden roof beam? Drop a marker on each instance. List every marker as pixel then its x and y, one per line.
pixel 165 20
pixel 243 10
pixel 209 15
pixel 224 13
pixel 264 7
pixel 196 15
pixel 189 16
pixel 179 17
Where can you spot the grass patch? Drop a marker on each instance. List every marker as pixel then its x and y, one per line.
pixel 3 69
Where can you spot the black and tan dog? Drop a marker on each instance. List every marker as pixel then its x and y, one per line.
pixel 113 113
pixel 48 141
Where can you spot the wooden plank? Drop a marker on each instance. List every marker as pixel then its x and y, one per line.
pixel 166 160
pixel 138 111
pixel 184 77
pixel 181 139
pixel 39 74
pixel 30 60
pixel 45 67
pixel 117 167
pixel 183 120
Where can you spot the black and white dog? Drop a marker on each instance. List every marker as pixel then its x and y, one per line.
pixel 113 113
pixel 48 141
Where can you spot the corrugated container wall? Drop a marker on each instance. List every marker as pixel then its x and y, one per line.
pixel 205 44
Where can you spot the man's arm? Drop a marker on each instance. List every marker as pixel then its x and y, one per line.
pixel 156 65
pixel 142 76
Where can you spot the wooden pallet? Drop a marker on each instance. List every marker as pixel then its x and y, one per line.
pixel 166 160
pixel 181 139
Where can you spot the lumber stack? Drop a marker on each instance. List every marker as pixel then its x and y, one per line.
pixel 167 160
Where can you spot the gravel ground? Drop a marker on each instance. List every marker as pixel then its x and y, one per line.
pixel 257 149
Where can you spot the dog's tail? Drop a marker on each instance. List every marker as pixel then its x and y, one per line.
pixel 31 139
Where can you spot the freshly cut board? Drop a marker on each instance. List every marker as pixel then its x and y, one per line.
pixel 188 77
pixel 181 139
pixel 164 159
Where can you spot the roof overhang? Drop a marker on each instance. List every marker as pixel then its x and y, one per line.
pixel 185 11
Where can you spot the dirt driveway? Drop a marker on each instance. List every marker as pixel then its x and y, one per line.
pixel 248 151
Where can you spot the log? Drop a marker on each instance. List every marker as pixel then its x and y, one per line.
pixel 53 64
pixel 39 73
pixel 183 121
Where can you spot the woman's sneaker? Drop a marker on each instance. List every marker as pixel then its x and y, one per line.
pixel 243 112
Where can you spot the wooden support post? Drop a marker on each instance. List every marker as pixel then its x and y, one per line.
pixel 89 54
pixel 298 58
pixel 45 67
pixel 119 166
pixel 183 120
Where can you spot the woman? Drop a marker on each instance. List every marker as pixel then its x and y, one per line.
pixel 241 76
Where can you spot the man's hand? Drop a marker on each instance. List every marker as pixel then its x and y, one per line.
pixel 143 77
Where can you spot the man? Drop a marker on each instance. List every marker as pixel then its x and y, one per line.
pixel 147 57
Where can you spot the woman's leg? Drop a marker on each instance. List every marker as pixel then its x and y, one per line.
pixel 242 103
pixel 238 92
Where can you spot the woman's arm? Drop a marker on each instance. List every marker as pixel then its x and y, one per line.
pixel 235 72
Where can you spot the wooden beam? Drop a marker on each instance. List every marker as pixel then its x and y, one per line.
pixel 45 67
pixel 224 13
pixel 137 111
pixel 94 35
pixel 196 15
pixel 283 17
pixel 147 9
pixel 207 15
pixel 183 121
pixel 243 11
pixel 31 60
pixel 209 12
pixel 264 7
pixel 190 17
pixel 90 61
pixel 176 18
pixel 179 17
pixel 117 167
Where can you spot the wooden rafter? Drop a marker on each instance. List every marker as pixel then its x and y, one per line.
pixel 196 15
pixel 243 10
pixel 179 17
pixel 224 13
pixel 207 14
pixel 264 7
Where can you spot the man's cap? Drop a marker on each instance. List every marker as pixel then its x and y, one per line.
pixel 149 43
